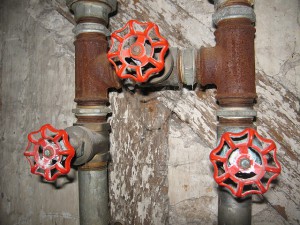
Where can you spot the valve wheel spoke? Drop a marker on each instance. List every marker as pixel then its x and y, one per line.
pixel 243 150
pixel 141 39
pixel 223 177
pixel 117 37
pixel 258 168
pixel 233 169
pixel 240 188
pixel 125 53
pixel 272 169
pixel 271 147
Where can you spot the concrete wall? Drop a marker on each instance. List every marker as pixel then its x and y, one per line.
pixel 160 172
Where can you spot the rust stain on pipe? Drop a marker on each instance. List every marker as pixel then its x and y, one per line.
pixel 93 73
pixel 92 20
pixel 238 2
pixel 230 65
pixel 91 119
pixel 246 122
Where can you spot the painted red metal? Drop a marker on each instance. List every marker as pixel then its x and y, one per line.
pixel 245 162
pixel 49 152
pixel 138 51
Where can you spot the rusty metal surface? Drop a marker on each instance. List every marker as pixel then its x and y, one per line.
pixel 93 73
pixel 224 3
pixel 91 20
pixel 207 65
pixel 238 2
pixel 247 122
pixel 231 64
pixel 91 119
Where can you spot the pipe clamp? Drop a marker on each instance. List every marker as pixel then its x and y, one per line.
pixel 97 8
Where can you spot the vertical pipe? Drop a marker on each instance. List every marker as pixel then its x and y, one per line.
pixel 230 65
pixel 93 188
pixel 92 81
pixel 233 211
pixel 93 74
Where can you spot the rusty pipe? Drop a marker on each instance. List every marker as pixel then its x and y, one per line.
pixel 93 73
pixel 93 79
pixel 230 65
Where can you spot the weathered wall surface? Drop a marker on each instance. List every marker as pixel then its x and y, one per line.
pixel 160 172
pixel 37 77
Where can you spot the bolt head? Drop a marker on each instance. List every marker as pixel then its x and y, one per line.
pixel 47 152
pixel 136 50
pixel 245 163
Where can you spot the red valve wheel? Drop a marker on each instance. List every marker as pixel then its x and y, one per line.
pixel 245 163
pixel 138 51
pixel 49 152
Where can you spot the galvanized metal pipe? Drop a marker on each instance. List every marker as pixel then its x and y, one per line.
pixel 93 197
pixel 93 78
pixel 232 210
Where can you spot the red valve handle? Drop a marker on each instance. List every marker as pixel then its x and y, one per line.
pixel 137 51
pixel 49 152
pixel 245 163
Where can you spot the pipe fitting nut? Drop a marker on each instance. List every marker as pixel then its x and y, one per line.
pixel 91 111
pixel 91 28
pixel 234 12
pixel 188 66
pixel 236 112
pixel 98 9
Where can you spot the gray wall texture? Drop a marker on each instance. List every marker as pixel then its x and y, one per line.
pixel 160 142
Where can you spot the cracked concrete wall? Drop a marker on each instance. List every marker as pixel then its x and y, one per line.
pixel 160 172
